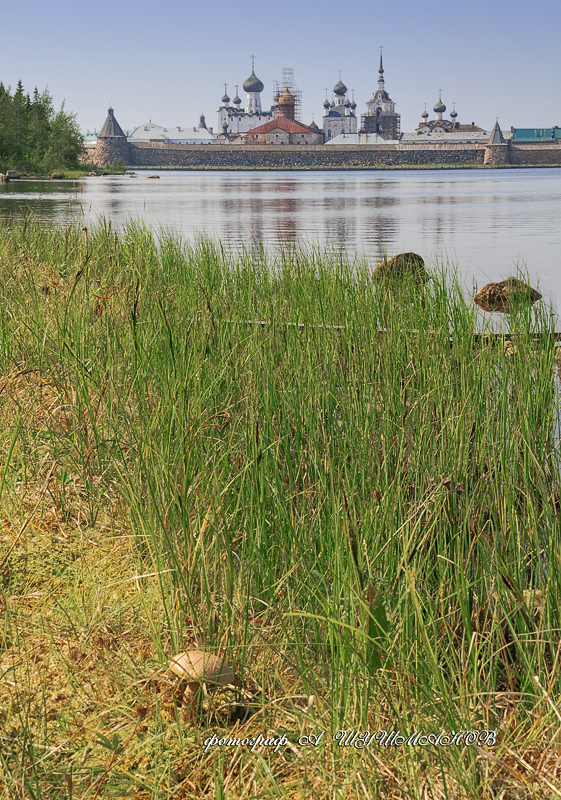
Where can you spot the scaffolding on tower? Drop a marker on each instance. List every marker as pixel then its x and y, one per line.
pixel 287 82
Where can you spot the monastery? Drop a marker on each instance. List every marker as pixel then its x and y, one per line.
pixel 278 125
pixel 255 137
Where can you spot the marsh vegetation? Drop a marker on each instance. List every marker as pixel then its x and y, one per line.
pixel 360 511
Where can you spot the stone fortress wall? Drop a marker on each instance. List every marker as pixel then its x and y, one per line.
pixel 184 156
pixel 299 156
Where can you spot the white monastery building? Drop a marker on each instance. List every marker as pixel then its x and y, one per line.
pixel 445 130
pixel 339 116
pixel 232 118
pixel 150 132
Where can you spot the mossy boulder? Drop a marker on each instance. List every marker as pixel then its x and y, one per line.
pixel 505 296
pixel 401 271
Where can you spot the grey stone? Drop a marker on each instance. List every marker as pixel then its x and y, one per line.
pixel 12 175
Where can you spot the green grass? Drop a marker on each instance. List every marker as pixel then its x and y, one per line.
pixel 364 521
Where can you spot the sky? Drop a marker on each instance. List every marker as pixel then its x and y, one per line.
pixel 169 61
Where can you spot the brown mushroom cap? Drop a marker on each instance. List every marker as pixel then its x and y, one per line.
pixel 197 666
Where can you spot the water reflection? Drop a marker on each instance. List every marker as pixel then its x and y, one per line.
pixel 487 222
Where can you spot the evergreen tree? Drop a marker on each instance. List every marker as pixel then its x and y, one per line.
pixel 6 131
pixel 19 123
pixel 33 135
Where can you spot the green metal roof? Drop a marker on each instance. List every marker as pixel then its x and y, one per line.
pixel 536 134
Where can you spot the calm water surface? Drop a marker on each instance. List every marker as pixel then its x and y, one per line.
pixel 484 222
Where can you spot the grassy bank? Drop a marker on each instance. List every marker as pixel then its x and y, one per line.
pixel 365 525
pixel 80 171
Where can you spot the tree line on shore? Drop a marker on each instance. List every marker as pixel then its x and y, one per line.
pixel 33 135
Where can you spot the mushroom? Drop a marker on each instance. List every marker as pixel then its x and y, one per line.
pixel 196 668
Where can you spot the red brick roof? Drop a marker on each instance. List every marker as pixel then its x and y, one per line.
pixel 283 124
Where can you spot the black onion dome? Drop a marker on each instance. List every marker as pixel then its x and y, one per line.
pixel 237 100
pixel 253 84
pixel 425 114
pixel 225 99
pixel 340 88
pixel 439 107
pixel 453 114
pixel 326 103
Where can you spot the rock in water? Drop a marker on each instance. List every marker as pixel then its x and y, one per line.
pixel 403 269
pixel 12 175
pixel 504 295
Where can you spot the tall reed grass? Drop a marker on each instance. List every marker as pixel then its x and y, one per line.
pixel 339 489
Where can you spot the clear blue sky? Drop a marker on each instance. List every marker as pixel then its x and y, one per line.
pixel 169 60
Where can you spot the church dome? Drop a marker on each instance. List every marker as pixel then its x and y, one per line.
pixel 347 104
pixel 326 103
pixel 286 98
pixel 453 114
pixel 439 107
pixel 340 88
pixel 253 84
pixel 225 99
pixel 425 114
pixel 237 100
pixel 353 105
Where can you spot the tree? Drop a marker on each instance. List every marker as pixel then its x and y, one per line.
pixel 35 136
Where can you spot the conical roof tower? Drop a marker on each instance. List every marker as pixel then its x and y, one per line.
pixel 496 135
pixel 112 144
pixel 111 127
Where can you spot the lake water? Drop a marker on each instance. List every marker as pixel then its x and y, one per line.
pixel 485 222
